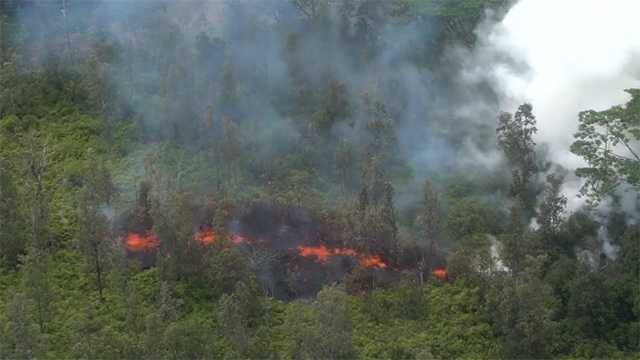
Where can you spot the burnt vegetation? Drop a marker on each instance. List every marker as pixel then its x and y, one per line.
pixel 292 179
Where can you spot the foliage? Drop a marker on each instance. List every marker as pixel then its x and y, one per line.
pixel 102 135
pixel 607 140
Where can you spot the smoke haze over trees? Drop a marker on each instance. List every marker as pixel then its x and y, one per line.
pixel 421 179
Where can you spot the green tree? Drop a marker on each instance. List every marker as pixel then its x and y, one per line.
pixel 239 315
pixel 20 335
pixel 166 312
pixel 344 159
pixel 550 213
pixel 430 222
pixel 37 285
pixel 524 308
pixel 323 331
pixel 608 141
pixel 94 235
pixel 515 137
pixel 12 227
pixel 92 339
pixel 36 161
pixel 173 224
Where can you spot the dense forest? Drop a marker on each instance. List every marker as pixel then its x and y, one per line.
pixel 299 179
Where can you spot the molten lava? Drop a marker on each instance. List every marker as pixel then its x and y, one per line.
pixel 205 237
pixel 141 242
pixel 372 262
pixel 440 273
pixel 323 254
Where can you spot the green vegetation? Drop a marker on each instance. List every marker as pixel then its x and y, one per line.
pixel 114 118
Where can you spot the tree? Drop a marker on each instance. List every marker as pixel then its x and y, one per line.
pixel 429 221
pixel 156 323
pixel 333 108
pixel 94 235
pixel 37 284
pixel 378 228
pixel 388 218
pixel 344 162
pixel 590 308
pixel 36 162
pixel 608 141
pixel 324 331
pixel 524 307
pixel 92 338
pixel 551 210
pixel 12 241
pixel 239 314
pixel 20 335
pixel 515 137
pixel 142 219
pixel 173 224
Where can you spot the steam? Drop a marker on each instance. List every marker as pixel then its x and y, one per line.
pixel 563 57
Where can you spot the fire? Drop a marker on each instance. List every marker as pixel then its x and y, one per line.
pixel 204 237
pixel 322 254
pixel 440 273
pixel 372 262
pixel 141 242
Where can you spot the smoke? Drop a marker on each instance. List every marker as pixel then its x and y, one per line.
pixel 181 71
pixel 562 57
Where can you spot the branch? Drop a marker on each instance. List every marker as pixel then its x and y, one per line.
pixel 629 148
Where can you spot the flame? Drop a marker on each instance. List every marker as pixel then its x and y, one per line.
pixel 372 262
pixel 141 242
pixel 205 237
pixel 322 254
pixel 440 273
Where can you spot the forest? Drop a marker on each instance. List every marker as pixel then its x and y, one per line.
pixel 304 179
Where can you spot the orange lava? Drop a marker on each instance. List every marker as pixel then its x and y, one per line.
pixel 440 273
pixel 141 242
pixel 205 237
pixel 372 262
pixel 322 254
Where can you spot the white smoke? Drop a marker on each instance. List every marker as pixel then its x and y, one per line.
pixel 562 56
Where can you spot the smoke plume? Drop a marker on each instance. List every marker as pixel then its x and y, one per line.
pixel 563 57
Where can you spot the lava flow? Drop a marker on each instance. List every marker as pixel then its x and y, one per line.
pixel 204 237
pixel 141 242
pixel 440 273
pixel 323 254
pixel 373 261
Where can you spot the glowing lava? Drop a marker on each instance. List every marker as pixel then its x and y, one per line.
pixel 323 254
pixel 440 273
pixel 372 262
pixel 141 242
pixel 205 237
